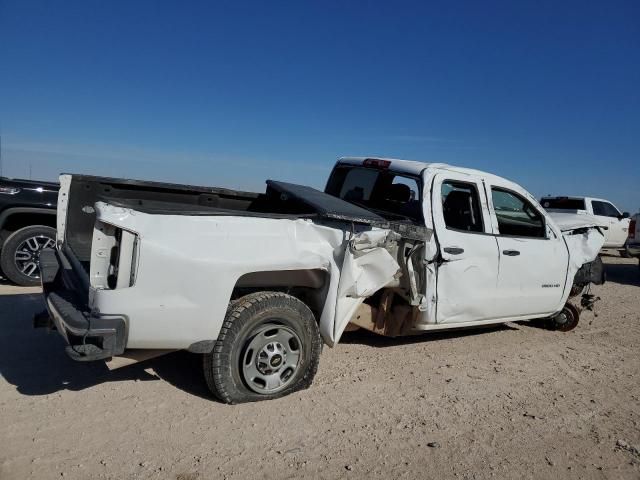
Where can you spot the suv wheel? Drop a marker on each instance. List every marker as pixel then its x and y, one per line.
pixel 20 253
pixel 269 346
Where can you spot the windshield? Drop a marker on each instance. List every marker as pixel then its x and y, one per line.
pixel 393 196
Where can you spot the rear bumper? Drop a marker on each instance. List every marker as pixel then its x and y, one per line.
pixel 90 335
pixel 633 249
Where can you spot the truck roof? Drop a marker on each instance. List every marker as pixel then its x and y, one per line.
pixel 414 167
pixel 575 197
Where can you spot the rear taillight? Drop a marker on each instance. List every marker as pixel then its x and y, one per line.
pixel 632 229
pixel 113 257
pixel 375 162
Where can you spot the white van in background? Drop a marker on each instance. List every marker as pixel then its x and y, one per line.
pixel 605 211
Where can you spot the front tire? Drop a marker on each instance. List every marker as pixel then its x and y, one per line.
pixel 269 346
pixel 566 320
pixel 20 254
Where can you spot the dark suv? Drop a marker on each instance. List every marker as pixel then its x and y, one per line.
pixel 27 225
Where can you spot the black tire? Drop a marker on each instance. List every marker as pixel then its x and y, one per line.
pixel 246 319
pixel 566 320
pixel 624 254
pixel 3 236
pixel 13 243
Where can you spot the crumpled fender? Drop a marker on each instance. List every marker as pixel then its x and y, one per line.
pixel 583 248
pixel 367 267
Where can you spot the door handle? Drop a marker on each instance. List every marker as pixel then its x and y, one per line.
pixel 511 253
pixel 453 250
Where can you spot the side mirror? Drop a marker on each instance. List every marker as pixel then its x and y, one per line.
pixel 624 215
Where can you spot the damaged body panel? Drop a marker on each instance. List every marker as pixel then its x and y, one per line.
pixel 392 246
pixel 297 245
pixel 160 264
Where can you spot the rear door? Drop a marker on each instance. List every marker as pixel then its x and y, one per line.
pixel 533 255
pixel 468 274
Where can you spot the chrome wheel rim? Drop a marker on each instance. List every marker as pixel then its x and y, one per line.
pixel 27 256
pixel 271 358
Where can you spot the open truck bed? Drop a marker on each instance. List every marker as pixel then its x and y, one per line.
pixel 280 200
pixel 161 262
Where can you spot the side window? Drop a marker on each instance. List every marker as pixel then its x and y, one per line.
pixel 516 216
pixel 461 206
pixel 598 208
pixel 604 208
pixel 613 211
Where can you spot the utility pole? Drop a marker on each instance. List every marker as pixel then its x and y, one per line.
pixel 0 155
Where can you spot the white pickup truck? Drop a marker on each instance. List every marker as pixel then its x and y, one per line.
pixel 258 282
pixel 616 223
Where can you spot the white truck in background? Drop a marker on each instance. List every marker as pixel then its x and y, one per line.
pixel 257 282
pixel 616 223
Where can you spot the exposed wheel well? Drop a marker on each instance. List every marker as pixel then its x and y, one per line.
pixel 309 286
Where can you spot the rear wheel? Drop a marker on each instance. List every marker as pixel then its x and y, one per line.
pixel 20 253
pixel 269 346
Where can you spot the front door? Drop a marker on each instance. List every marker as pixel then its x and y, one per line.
pixel 533 254
pixel 468 274
pixel 609 215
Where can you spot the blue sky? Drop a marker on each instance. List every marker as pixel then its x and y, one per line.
pixel 545 93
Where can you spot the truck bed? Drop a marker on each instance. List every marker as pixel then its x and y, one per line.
pixel 280 200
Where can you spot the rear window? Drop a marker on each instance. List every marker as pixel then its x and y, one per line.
pixel 393 196
pixel 563 203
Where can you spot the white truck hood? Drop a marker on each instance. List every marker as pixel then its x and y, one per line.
pixel 572 221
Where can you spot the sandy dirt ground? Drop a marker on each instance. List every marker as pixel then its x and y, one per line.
pixel 510 402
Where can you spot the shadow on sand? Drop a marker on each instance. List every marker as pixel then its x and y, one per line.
pixel 364 337
pixel 36 363
pixel 623 273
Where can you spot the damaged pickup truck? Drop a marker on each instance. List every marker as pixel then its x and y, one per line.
pixel 257 282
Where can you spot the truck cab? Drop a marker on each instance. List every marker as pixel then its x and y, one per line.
pixel 495 254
